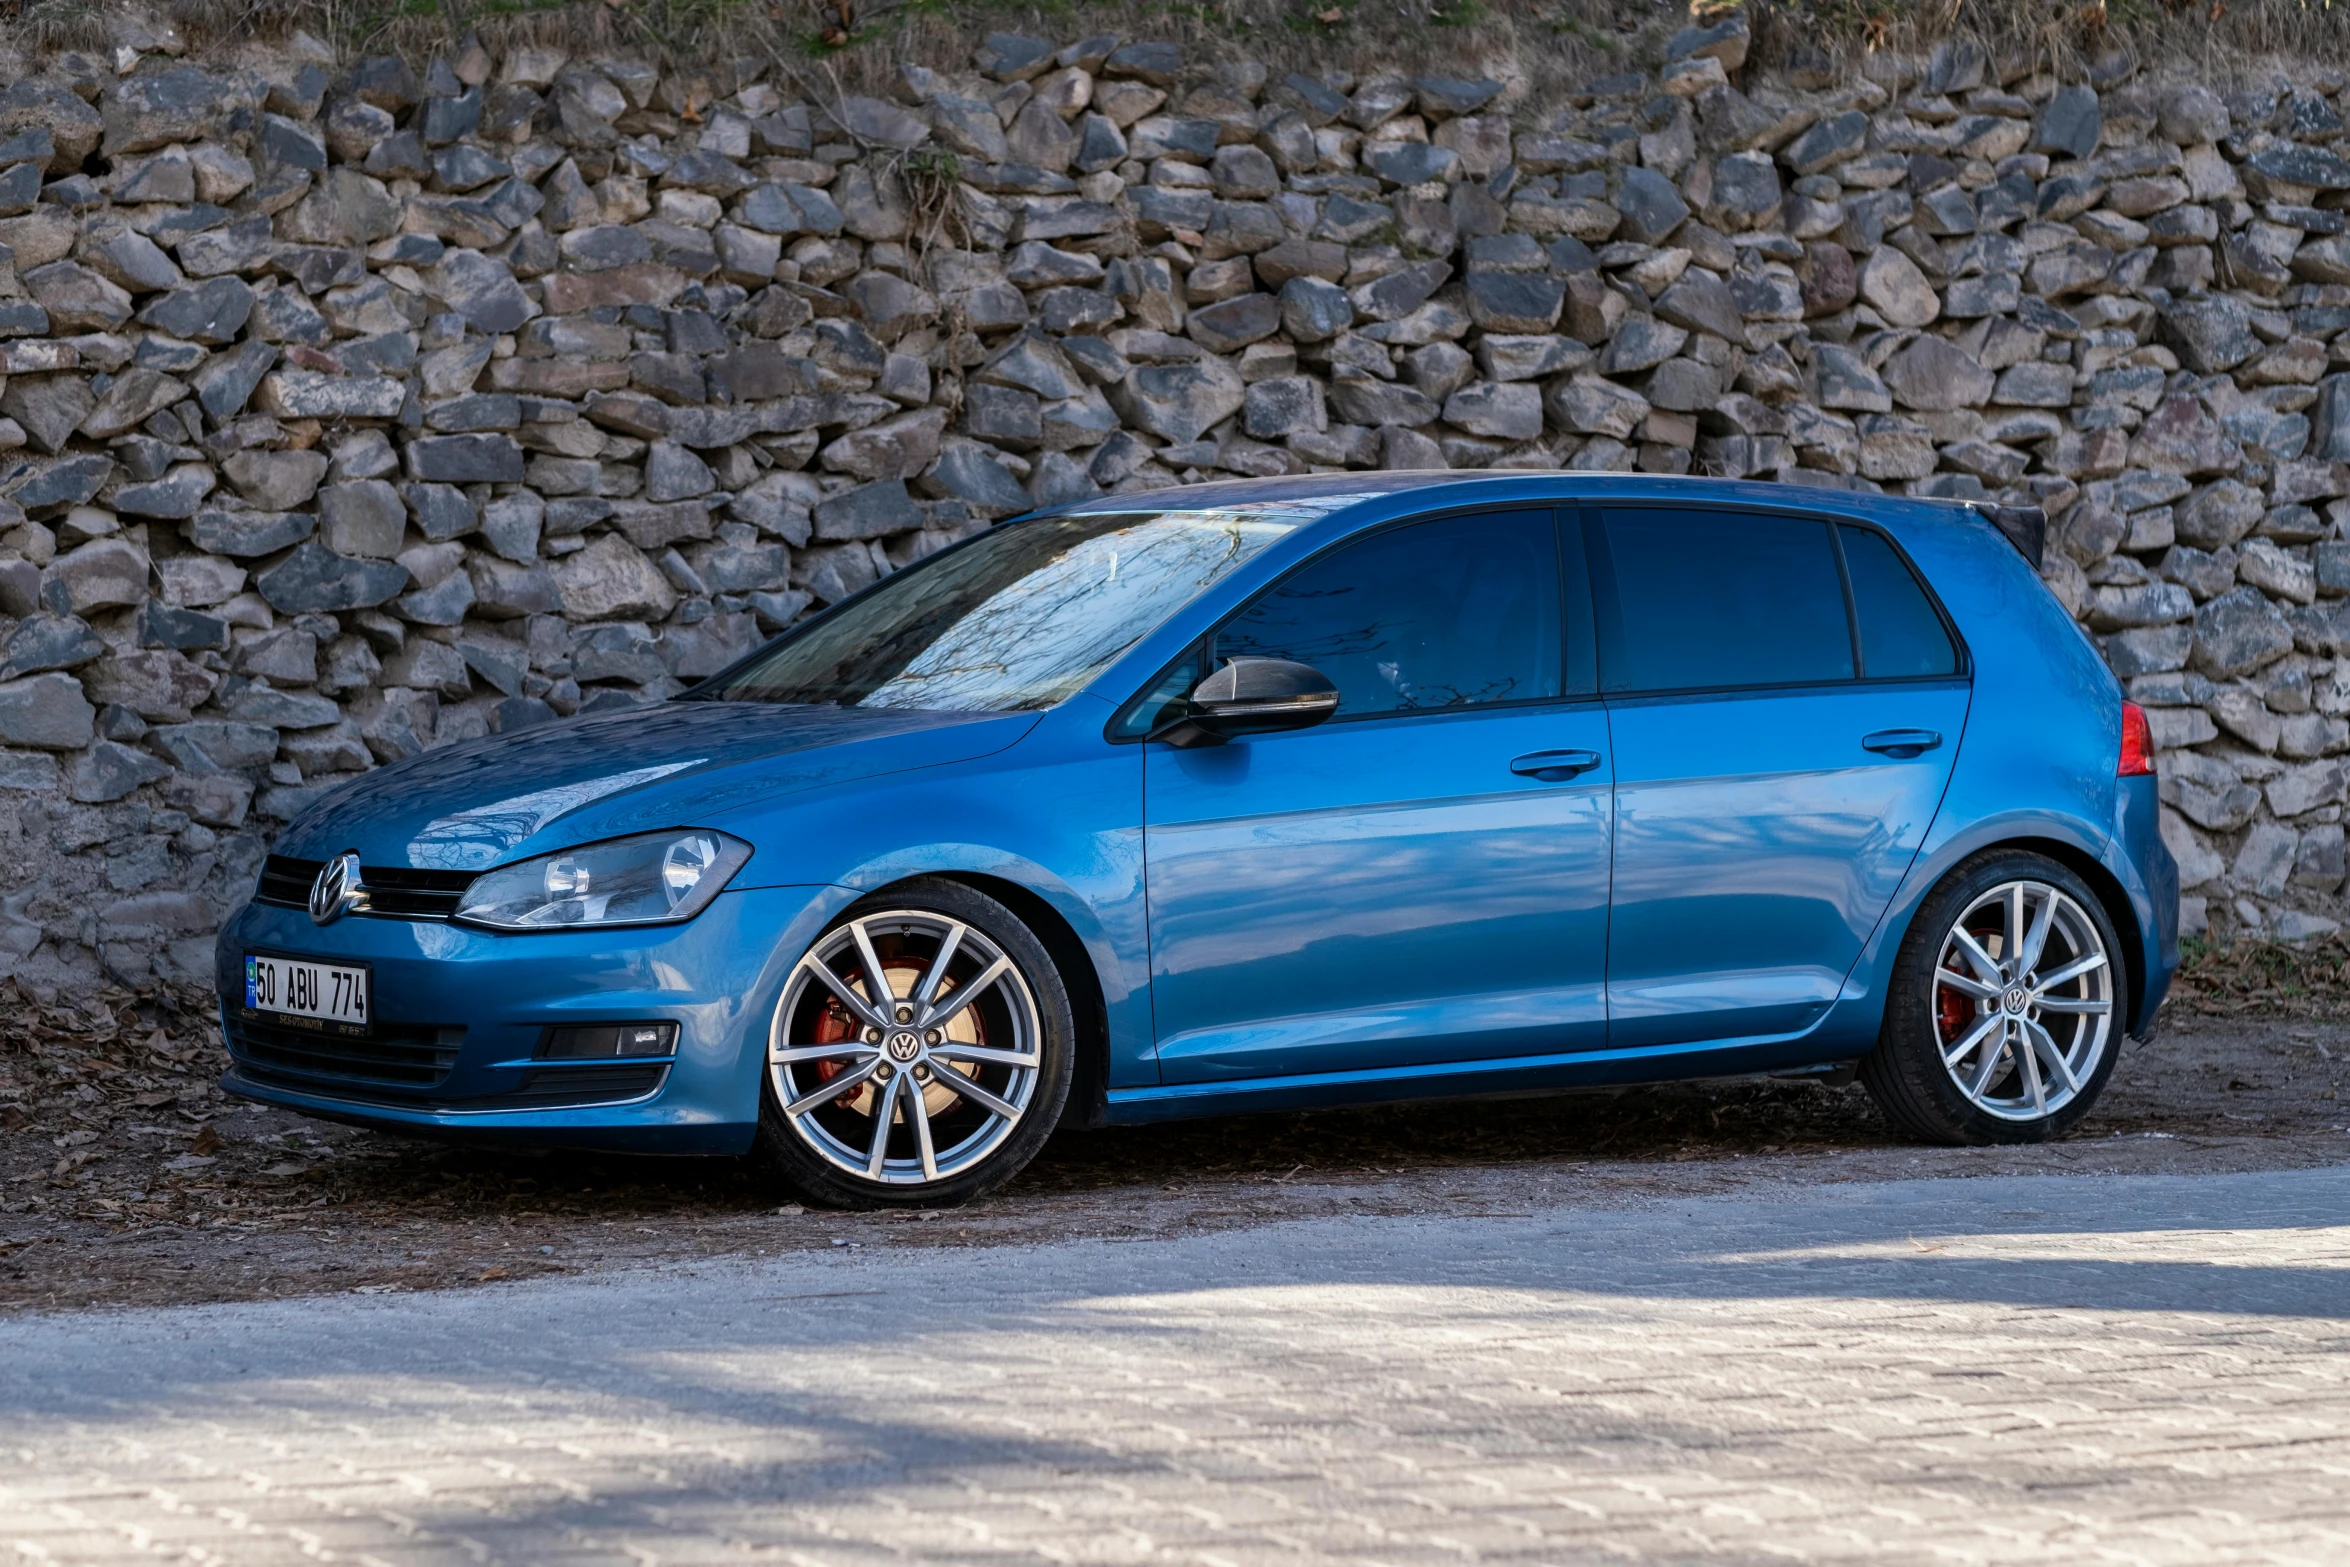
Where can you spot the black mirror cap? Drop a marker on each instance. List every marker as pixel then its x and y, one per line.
pixel 2026 527
pixel 1253 696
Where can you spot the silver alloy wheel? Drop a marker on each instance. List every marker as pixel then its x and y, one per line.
pixel 923 1085
pixel 2023 1000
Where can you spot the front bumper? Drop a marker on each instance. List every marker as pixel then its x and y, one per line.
pixel 459 1013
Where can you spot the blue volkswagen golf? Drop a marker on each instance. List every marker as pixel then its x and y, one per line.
pixel 1262 795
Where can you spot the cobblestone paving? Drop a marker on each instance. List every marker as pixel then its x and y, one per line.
pixel 2034 1369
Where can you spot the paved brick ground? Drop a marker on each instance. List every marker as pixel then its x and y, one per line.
pixel 2033 1369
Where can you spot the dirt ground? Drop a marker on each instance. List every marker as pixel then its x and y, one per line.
pixel 126 1178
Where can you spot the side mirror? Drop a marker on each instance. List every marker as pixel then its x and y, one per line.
pixel 1252 696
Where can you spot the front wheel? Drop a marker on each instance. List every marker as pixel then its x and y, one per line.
pixel 920 1055
pixel 2003 1019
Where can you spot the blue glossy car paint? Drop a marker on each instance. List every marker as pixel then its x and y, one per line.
pixel 1390 912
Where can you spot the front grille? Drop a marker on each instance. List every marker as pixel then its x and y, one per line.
pixel 393 891
pixel 415 1057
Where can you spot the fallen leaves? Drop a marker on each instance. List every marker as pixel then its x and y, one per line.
pixel 206 1141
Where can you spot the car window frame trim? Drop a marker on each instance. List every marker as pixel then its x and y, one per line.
pixel 1566 532
pixel 1600 568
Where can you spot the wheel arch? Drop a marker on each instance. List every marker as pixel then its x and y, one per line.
pixel 2112 899
pixel 2115 901
pixel 1088 1094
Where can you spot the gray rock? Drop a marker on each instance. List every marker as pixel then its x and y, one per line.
pixel 156 108
pixel 1746 191
pixel 2211 334
pixel 1641 343
pixel 971 475
pixel 465 459
pixel 1935 374
pixel 1838 139
pixel 249 533
pixel 1651 205
pixel 1703 303
pixel 275 481
pixel 1898 291
pixel 613 580
pixel 1314 311
pixel 481 289
pixel 1503 410
pixel 1179 402
pixel 213 311
pixel 314 577
pixel 1233 324
pixel 2070 123
pixel 2218 515
pixel 177 495
pixel 364 517
pixel 672 473
pixel 1284 406
pixel 98 575
pixel 62 481
pixel 48 407
pixel 308 394
pixel 109 771
pixel 870 511
pixel 45 712
pixel 2239 632
pixel 1514 301
pixel 45 641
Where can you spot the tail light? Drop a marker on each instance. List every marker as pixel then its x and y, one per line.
pixel 2137 758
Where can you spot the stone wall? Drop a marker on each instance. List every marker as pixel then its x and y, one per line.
pixel 352 410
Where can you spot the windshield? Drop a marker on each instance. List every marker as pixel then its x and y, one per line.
pixel 1017 619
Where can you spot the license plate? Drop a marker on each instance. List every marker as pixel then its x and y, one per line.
pixel 320 994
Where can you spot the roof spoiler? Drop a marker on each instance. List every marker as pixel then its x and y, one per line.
pixel 2026 528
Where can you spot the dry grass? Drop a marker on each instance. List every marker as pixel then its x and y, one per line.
pixel 2264 979
pixel 1553 45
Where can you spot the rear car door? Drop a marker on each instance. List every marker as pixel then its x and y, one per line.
pixel 1423 878
pixel 1785 699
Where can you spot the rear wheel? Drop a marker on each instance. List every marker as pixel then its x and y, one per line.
pixel 920 1055
pixel 2003 1019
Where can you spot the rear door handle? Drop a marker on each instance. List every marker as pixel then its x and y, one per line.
pixel 1554 766
pixel 1901 742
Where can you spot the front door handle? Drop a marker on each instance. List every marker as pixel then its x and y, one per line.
pixel 1903 743
pixel 1554 766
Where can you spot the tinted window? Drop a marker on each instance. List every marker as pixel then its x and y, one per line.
pixel 1708 599
pixel 1899 632
pixel 1440 614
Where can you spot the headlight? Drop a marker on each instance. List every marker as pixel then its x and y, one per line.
pixel 655 878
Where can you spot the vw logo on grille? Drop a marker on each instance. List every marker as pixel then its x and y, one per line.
pixel 338 889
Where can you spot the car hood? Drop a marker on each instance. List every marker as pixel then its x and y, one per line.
pixel 681 764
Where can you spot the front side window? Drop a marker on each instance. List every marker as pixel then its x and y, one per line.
pixel 1704 600
pixel 1453 612
pixel 1016 620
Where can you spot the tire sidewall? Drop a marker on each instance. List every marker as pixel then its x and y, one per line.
pixel 1906 1073
pixel 817 1180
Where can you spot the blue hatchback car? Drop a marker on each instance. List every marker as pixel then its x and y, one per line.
pixel 1262 795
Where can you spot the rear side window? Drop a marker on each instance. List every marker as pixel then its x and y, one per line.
pixel 1704 600
pixel 1900 635
pixel 1456 612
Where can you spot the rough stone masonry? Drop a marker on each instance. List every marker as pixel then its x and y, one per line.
pixel 351 411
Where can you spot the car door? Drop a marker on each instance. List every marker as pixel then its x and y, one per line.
pixel 1423 878
pixel 1785 700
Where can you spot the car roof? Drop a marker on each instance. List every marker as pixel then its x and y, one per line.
pixel 1349 489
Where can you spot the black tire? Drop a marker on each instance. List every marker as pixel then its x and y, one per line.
pixel 1023 1013
pixel 1924 1015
